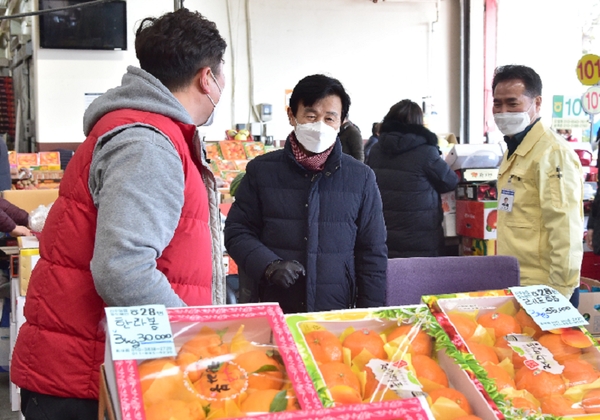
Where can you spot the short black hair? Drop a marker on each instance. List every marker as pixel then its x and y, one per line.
pixel 406 112
pixel 175 46
pixel 316 87
pixel 531 80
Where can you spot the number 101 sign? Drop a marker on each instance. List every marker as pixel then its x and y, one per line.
pixel 591 100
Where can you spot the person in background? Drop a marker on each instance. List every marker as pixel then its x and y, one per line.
pixel 306 228
pixel 352 141
pixel 372 140
pixel 542 178
pixel 13 220
pixel 411 175
pixel 136 221
pixel 566 133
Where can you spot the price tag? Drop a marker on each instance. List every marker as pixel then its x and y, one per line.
pixel 536 356
pixel 588 69
pixel 139 332
pixel 396 377
pixel 591 100
pixel 548 308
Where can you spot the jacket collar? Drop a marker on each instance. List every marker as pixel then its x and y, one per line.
pixel 530 140
pixel 333 163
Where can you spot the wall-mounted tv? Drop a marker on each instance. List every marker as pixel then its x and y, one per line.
pixel 101 26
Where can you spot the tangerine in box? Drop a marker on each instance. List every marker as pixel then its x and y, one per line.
pixel 385 354
pixel 232 361
pixel 525 372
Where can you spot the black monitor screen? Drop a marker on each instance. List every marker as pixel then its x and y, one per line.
pixel 101 26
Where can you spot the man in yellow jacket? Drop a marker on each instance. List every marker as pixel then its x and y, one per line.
pixel 541 180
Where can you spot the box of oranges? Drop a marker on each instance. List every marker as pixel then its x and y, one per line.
pixel 523 370
pixel 386 354
pixel 232 361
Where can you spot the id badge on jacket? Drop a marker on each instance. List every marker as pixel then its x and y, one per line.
pixel 507 197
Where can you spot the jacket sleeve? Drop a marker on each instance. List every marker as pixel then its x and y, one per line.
pixel 370 251
pixel 11 216
pixel 561 199
pixel 243 226
pixel 439 173
pixel 136 181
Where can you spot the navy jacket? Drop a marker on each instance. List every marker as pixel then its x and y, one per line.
pixel 329 221
pixel 411 175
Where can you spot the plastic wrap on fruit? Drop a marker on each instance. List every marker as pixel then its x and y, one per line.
pixel 37 217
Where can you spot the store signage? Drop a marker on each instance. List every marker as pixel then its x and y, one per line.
pixel 588 69
pixel 568 112
pixel 548 308
pixel 591 100
pixel 139 332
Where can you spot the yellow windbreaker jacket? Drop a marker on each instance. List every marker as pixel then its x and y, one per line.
pixel 544 230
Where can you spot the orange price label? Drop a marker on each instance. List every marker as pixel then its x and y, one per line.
pixel 588 69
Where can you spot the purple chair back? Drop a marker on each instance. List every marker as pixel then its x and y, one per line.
pixel 410 278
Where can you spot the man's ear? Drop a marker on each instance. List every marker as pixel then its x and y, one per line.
pixel 291 117
pixel 202 79
pixel 538 103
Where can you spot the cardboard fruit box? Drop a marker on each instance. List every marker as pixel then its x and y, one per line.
pixel 385 354
pixel 525 372
pixel 232 361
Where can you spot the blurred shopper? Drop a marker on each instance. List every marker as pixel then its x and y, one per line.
pixel 567 135
pixel 372 140
pixel 135 219
pixel 411 175
pixel 542 178
pixel 13 220
pixel 306 228
pixel 352 141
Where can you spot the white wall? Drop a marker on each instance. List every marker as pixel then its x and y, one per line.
pixel 382 53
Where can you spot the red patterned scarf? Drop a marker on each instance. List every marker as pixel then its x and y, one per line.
pixel 314 163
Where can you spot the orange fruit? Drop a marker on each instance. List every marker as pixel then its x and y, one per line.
pixel 482 353
pixel 420 341
pixel 364 339
pixel 343 394
pixel 453 395
pixel 469 417
pixel 151 370
pixel 540 383
pixel 371 383
pixel 465 326
pixel 524 404
pixel 560 406
pixel 591 402
pixel 271 376
pixel 579 372
pixel 428 368
pixel 560 350
pixel 260 401
pixel 174 409
pixel 221 382
pixel 205 344
pixel 517 360
pixel 337 373
pixel 501 323
pixel 525 320
pixel 576 338
pixel 324 346
pixel 500 376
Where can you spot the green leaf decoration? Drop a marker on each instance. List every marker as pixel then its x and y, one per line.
pixel 221 333
pixel 266 368
pixel 206 409
pixel 279 402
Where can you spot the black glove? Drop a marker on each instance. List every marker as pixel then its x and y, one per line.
pixel 284 273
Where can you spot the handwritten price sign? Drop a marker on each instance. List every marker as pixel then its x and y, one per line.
pixel 548 308
pixel 139 332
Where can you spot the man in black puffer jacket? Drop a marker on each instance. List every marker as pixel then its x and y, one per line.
pixel 411 176
pixel 306 228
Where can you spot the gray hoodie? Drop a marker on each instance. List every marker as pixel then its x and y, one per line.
pixel 137 182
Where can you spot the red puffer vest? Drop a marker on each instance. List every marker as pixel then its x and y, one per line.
pixel 61 346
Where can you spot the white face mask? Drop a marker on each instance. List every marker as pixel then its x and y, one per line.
pixel 211 118
pixel 315 137
pixel 511 123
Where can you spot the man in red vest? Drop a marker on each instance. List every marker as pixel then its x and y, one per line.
pixel 136 221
